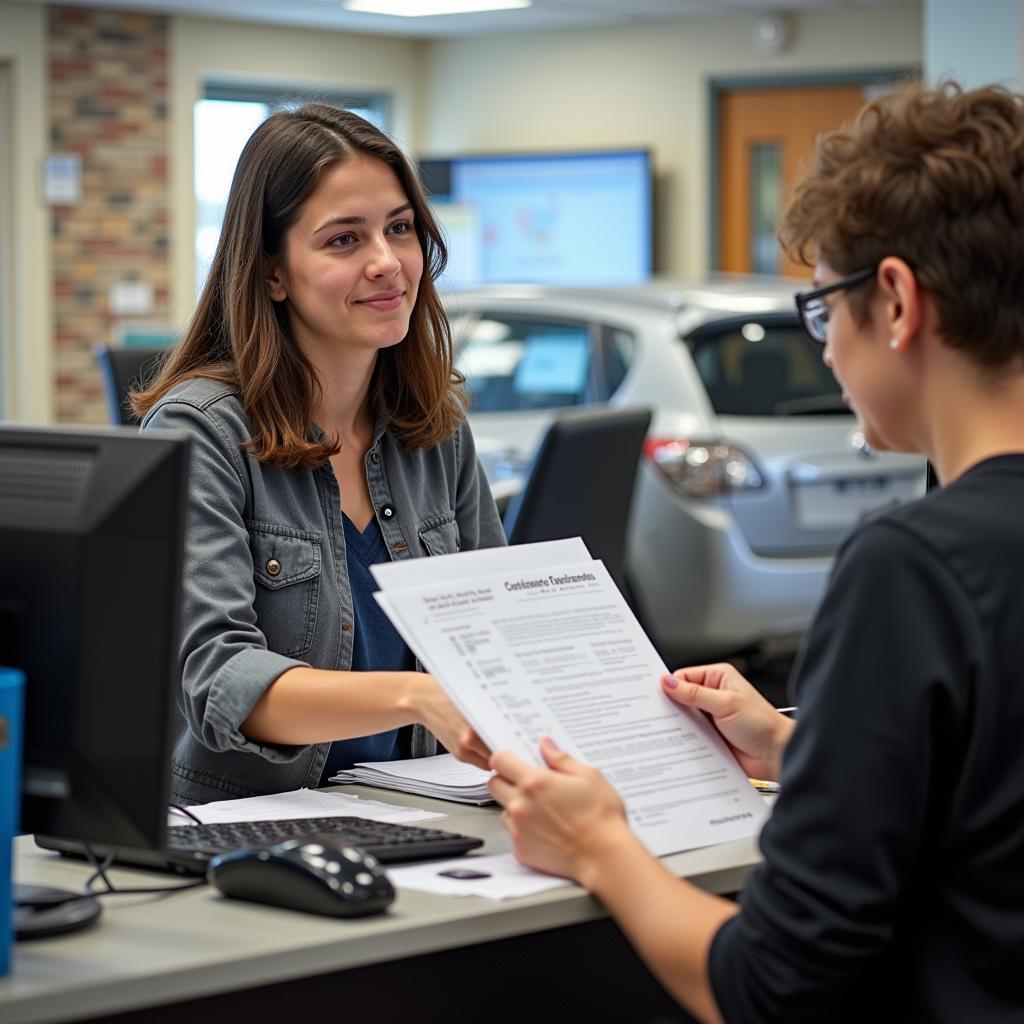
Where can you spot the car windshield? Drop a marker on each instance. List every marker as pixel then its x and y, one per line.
pixel 761 368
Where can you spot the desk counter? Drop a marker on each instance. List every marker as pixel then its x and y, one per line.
pixel 153 951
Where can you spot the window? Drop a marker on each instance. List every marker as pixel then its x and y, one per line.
pixel 617 348
pixel 224 120
pixel 765 198
pixel 764 367
pixel 516 363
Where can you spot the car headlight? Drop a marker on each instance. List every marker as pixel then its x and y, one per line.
pixel 703 469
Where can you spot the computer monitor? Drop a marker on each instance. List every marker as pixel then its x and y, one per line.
pixel 546 218
pixel 91 547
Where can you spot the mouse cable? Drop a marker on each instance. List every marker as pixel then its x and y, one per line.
pixel 185 812
pixel 100 871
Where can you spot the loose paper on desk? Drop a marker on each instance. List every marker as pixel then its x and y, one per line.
pixel 302 803
pixel 529 644
pixel 498 876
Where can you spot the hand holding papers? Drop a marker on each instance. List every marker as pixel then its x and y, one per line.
pixel 536 641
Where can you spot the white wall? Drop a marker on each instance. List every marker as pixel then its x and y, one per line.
pixel 976 44
pixel 639 86
pixel 274 55
pixel 28 370
pixel 642 85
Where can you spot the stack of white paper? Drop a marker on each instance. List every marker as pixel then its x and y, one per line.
pixel 536 640
pixel 442 777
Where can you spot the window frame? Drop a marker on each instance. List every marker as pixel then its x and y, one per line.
pixel 280 96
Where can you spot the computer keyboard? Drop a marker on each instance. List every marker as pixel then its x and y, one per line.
pixel 190 847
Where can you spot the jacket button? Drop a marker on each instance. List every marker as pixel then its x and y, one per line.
pixel 273 567
pixel 375 456
pixel 387 512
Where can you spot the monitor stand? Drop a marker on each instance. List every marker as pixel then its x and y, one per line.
pixel 40 911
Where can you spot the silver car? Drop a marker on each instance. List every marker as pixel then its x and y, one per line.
pixel 753 469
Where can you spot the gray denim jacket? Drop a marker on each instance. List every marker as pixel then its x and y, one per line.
pixel 266 580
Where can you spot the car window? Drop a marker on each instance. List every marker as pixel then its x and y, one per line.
pixel 617 347
pixel 761 368
pixel 525 363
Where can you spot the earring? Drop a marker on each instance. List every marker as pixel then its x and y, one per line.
pixel 893 343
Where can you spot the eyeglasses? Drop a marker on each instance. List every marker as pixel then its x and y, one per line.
pixel 814 313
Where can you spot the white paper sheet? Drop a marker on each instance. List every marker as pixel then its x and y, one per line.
pixel 442 769
pixel 417 572
pixel 553 650
pixel 440 776
pixel 301 803
pixel 505 878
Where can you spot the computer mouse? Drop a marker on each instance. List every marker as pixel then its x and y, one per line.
pixel 313 874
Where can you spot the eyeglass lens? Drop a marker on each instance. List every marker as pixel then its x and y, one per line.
pixel 816 319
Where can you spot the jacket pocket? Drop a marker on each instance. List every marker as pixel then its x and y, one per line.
pixel 440 534
pixel 286 569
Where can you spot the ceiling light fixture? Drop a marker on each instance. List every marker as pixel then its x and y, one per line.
pixel 427 8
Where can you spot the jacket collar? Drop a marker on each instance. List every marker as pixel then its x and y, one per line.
pixel 380 427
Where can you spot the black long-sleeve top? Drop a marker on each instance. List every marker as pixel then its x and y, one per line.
pixel 892 886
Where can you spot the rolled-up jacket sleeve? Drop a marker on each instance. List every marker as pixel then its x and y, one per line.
pixel 226 664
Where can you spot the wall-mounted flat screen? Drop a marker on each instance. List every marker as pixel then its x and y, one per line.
pixel 552 218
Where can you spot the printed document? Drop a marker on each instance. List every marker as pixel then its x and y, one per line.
pixel 528 645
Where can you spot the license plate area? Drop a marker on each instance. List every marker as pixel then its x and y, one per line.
pixel 843 502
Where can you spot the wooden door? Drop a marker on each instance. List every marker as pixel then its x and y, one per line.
pixel 766 139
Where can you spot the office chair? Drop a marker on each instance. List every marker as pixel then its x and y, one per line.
pixel 122 369
pixel 581 483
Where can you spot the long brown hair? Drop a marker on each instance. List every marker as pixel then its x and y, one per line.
pixel 240 337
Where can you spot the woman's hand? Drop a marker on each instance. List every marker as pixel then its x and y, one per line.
pixel 753 730
pixel 433 708
pixel 561 820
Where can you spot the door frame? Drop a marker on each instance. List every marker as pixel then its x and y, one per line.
pixel 6 242
pixel 728 83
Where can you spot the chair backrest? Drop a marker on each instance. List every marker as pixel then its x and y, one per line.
pixel 581 483
pixel 122 369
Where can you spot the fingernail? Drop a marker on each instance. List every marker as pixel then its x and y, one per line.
pixel 670 681
pixel 550 745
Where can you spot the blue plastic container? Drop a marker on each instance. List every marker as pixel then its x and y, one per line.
pixel 12 695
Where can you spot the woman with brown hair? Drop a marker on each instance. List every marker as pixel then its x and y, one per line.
pixel 892 882
pixel 328 433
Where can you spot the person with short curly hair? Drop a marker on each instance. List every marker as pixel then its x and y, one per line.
pixel 892 880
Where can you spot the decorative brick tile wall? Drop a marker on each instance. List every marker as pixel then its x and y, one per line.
pixel 108 102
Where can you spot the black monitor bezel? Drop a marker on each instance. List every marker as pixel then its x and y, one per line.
pixel 132 473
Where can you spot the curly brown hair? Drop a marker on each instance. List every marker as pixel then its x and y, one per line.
pixel 239 336
pixel 934 176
